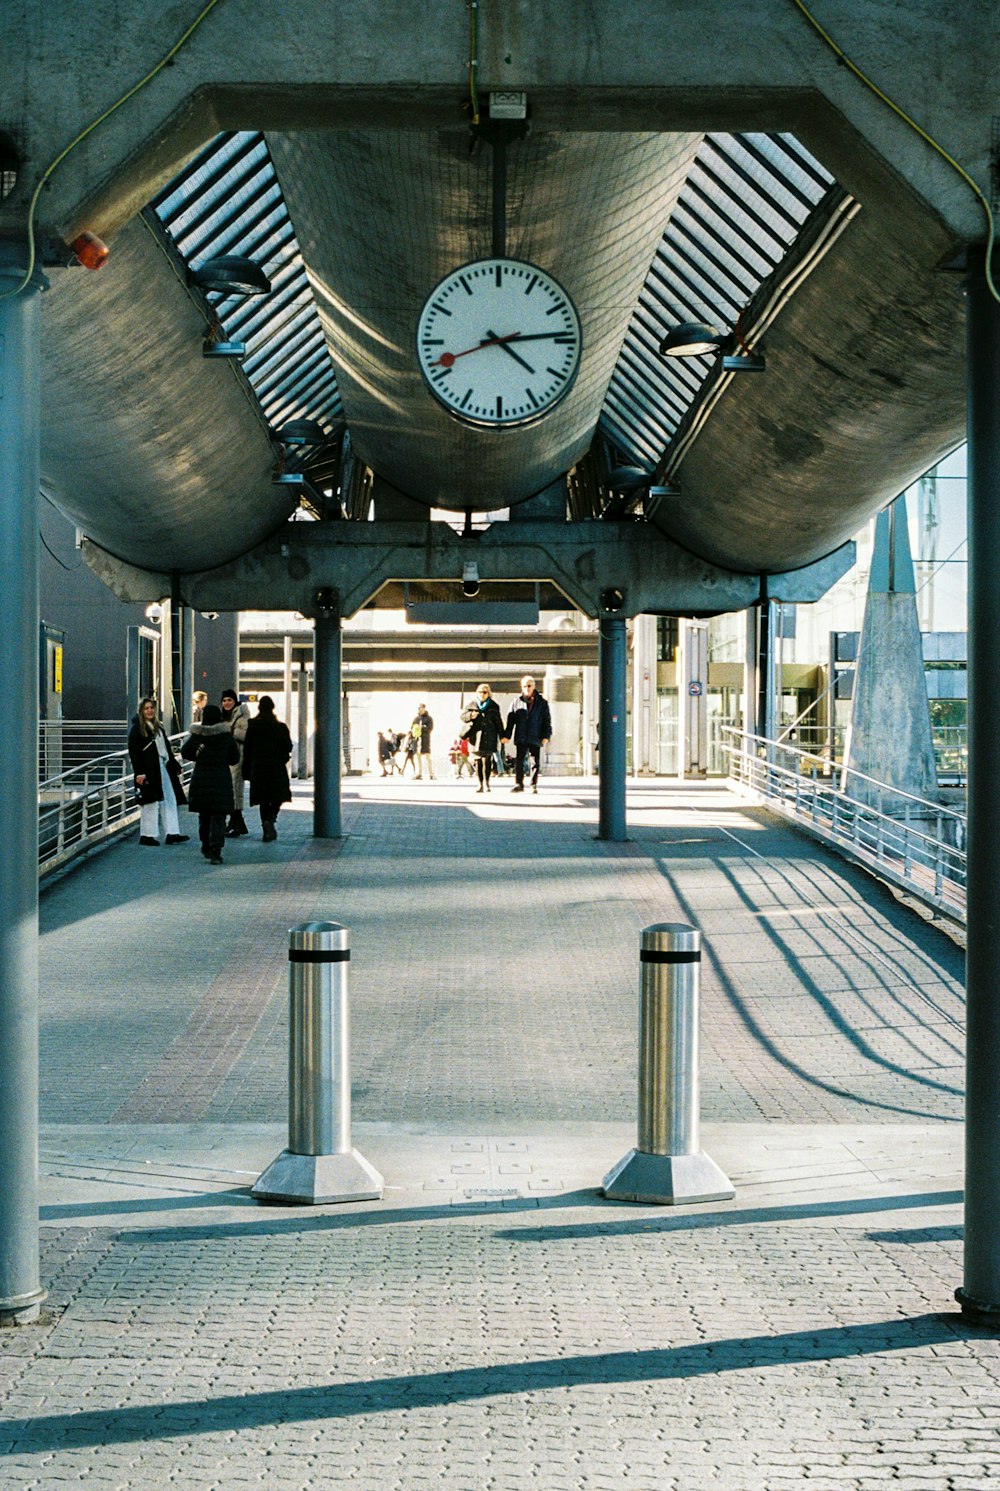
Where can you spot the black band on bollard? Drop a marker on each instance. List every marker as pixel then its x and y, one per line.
pixel 319 955
pixel 648 955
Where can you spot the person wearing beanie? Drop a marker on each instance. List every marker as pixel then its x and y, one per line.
pixel 214 752
pixel 237 717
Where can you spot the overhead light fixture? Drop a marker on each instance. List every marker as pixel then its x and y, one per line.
pixel 691 339
pixel 629 479
pixel 301 432
pixel 698 339
pixel 230 275
pixel 233 278
pixel 283 478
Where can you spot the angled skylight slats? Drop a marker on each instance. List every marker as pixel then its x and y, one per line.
pixel 228 201
pixel 746 199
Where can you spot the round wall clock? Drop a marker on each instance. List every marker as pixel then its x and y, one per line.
pixel 499 342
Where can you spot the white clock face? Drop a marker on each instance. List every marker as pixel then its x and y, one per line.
pixel 499 342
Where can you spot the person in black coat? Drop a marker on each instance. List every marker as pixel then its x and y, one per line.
pixel 529 725
pixel 266 752
pixel 157 777
pixel 483 729
pixel 210 794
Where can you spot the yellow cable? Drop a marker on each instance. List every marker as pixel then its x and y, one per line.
pixel 928 139
pixel 9 294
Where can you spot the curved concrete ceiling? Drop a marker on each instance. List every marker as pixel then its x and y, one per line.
pixel 864 390
pixel 381 217
pixel 163 458
pixel 157 453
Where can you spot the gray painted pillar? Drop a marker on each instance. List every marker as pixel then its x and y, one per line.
pixel 286 661
pixel 328 749
pixel 611 755
pixel 20 419
pixel 980 1293
pixel 187 667
pixel 750 671
pixel 303 722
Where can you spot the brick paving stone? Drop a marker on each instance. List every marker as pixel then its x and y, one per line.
pixel 485 1347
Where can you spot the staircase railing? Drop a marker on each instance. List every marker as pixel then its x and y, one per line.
pixel 910 841
pixel 82 807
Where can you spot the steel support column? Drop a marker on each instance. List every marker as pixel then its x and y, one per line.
pixel 980 1294
pixel 328 748
pixel 20 418
pixel 611 756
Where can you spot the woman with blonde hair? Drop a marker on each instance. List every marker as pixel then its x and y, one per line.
pixel 157 777
pixel 483 730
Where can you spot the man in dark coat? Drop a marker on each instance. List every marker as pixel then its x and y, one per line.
pixel 210 793
pixel 529 726
pixel 266 751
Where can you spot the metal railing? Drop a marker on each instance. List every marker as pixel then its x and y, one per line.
pixel 916 844
pixel 65 744
pixel 81 807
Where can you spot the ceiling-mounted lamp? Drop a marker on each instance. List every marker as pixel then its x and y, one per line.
pixel 217 344
pixel 284 478
pixel 300 432
pixel 698 339
pixel 232 278
pixel 231 275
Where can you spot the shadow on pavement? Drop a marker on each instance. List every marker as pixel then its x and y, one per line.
pixel 237 1413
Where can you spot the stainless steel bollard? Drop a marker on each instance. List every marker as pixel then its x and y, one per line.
pixel 668 1166
pixel 319 1165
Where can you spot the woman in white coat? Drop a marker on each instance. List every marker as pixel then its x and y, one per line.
pixel 157 777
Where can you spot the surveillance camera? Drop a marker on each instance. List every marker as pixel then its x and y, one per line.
pixel 154 611
pixel 209 615
pixel 470 579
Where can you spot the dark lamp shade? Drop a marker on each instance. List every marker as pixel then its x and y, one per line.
pixel 231 275
pixel 691 339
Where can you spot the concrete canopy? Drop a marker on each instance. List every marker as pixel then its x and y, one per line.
pixel 165 461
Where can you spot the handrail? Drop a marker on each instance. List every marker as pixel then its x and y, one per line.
pixel 838 807
pixel 86 805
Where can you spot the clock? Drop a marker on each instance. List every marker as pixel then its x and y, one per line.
pixel 499 343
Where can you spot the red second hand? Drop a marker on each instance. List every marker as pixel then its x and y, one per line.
pixel 448 358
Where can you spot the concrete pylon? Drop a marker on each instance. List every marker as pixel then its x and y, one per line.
pixel 890 736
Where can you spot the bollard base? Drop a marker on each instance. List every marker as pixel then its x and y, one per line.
pixel 318 1179
pixel 667 1180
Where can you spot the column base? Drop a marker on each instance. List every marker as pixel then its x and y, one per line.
pixel 22 1309
pixel 667 1180
pixel 318 1179
pixel 977 1310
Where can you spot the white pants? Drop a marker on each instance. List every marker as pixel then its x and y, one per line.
pixel 154 814
pixel 423 762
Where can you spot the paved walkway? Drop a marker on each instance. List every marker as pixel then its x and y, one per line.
pixel 493 1322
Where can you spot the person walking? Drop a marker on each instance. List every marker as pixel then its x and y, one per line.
pixel 214 752
pixel 529 725
pixel 237 717
pixel 387 752
pixel 459 757
pixel 483 729
pixel 157 777
pixel 266 752
pixel 421 730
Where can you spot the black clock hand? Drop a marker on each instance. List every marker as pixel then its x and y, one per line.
pixel 504 342
pixel 539 336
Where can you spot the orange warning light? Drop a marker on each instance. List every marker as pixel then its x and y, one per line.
pixel 90 250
